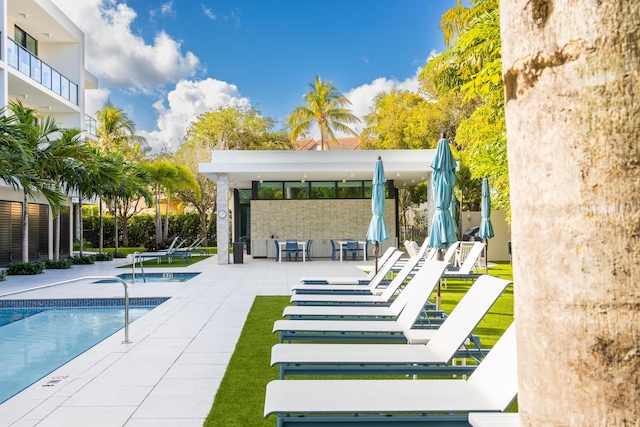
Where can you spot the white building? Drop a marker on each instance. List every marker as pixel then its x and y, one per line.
pixel 42 64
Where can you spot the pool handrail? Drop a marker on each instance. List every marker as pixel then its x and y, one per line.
pixel 79 279
pixel 137 256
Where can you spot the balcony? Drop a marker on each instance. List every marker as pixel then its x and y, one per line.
pixel 30 65
pixel 90 125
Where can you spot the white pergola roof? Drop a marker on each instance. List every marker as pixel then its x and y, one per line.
pixel 404 167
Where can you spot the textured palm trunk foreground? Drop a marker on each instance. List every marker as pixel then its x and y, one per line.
pixel 573 126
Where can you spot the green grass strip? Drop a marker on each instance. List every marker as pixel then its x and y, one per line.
pixel 240 397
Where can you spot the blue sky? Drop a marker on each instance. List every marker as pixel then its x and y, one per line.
pixel 165 62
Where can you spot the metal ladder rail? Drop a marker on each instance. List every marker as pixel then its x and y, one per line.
pixel 118 279
pixel 137 256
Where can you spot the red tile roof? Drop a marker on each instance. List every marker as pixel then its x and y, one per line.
pixel 346 143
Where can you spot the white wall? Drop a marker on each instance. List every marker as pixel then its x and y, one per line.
pixel 498 245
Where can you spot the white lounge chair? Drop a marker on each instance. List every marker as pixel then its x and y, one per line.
pixel 491 388
pixel 384 358
pixel 465 271
pixel 383 309
pixel 371 288
pixel 354 280
pixel 421 286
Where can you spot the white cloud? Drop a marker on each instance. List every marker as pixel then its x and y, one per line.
pixel 185 103
pixel 208 12
pixel 121 58
pixel 167 9
pixel 362 97
pixel 95 100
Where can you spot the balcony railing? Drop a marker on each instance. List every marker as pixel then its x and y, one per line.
pixel 90 125
pixel 21 59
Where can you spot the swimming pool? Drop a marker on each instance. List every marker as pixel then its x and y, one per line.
pixel 154 277
pixel 39 336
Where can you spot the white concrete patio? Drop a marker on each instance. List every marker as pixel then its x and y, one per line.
pixel 169 374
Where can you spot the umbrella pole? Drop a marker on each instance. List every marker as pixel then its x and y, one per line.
pixel 486 254
pixel 377 246
pixel 440 258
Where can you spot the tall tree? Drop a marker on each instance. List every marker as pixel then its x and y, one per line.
pixel 165 176
pixel 236 128
pixel 471 67
pixel 36 135
pixel 116 132
pixel 202 198
pixel 571 70
pixel 327 107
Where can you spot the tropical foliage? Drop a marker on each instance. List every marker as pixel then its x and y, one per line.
pixel 471 67
pixel 325 106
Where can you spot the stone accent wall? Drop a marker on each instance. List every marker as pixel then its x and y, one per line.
pixel 316 219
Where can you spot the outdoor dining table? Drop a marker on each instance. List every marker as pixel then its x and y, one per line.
pixel 363 243
pixel 301 244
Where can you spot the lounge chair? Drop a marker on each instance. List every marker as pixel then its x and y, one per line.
pixel 341 280
pixel 354 298
pixel 170 253
pixel 491 388
pixel 371 288
pixel 385 308
pixel 411 247
pixel 421 287
pixel 193 247
pixel 392 359
pixel 494 419
pixel 465 271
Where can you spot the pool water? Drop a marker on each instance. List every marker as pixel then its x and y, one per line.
pixel 38 341
pixel 155 277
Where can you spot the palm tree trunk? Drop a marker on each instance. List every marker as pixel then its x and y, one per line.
pixel 56 241
pixel 81 227
pixel 165 234
pixel 571 70
pixel 101 238
pixel 25 229
pixel 158 219
pixel 115 222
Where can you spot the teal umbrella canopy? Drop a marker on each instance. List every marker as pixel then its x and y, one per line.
pixel 486 229
pixel 443 229
pixel 377 231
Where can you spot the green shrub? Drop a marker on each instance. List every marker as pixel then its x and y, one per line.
pixel 105 256
pixel 85 259
pixel 3 274
pixel 85 244
pixel 119 254
pixel 58 265
pixel 25 268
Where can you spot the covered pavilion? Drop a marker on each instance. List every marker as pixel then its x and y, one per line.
pixel 319 195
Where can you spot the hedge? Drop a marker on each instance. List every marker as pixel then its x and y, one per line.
pixel 142 230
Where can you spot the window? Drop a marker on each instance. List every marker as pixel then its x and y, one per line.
pixel 350 190
pixel 270 190
pixel 296 190
pixel 25 40
pixel 323 190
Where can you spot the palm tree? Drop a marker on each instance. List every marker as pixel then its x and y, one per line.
pixel 326 106
pixel 117 133
pixel 168 177
pixel 36 136
pixel 572 130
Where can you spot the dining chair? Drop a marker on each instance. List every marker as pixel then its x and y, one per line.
pixel 291 247
pixel 335 250
pixel 351 248
pixel 277 250
pixel 308 249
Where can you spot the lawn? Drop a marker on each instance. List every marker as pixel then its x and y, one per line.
pixel 240 397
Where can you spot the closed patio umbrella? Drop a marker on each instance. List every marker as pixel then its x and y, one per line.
pixel 443 230
pixel 377 231
pixel 486 229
